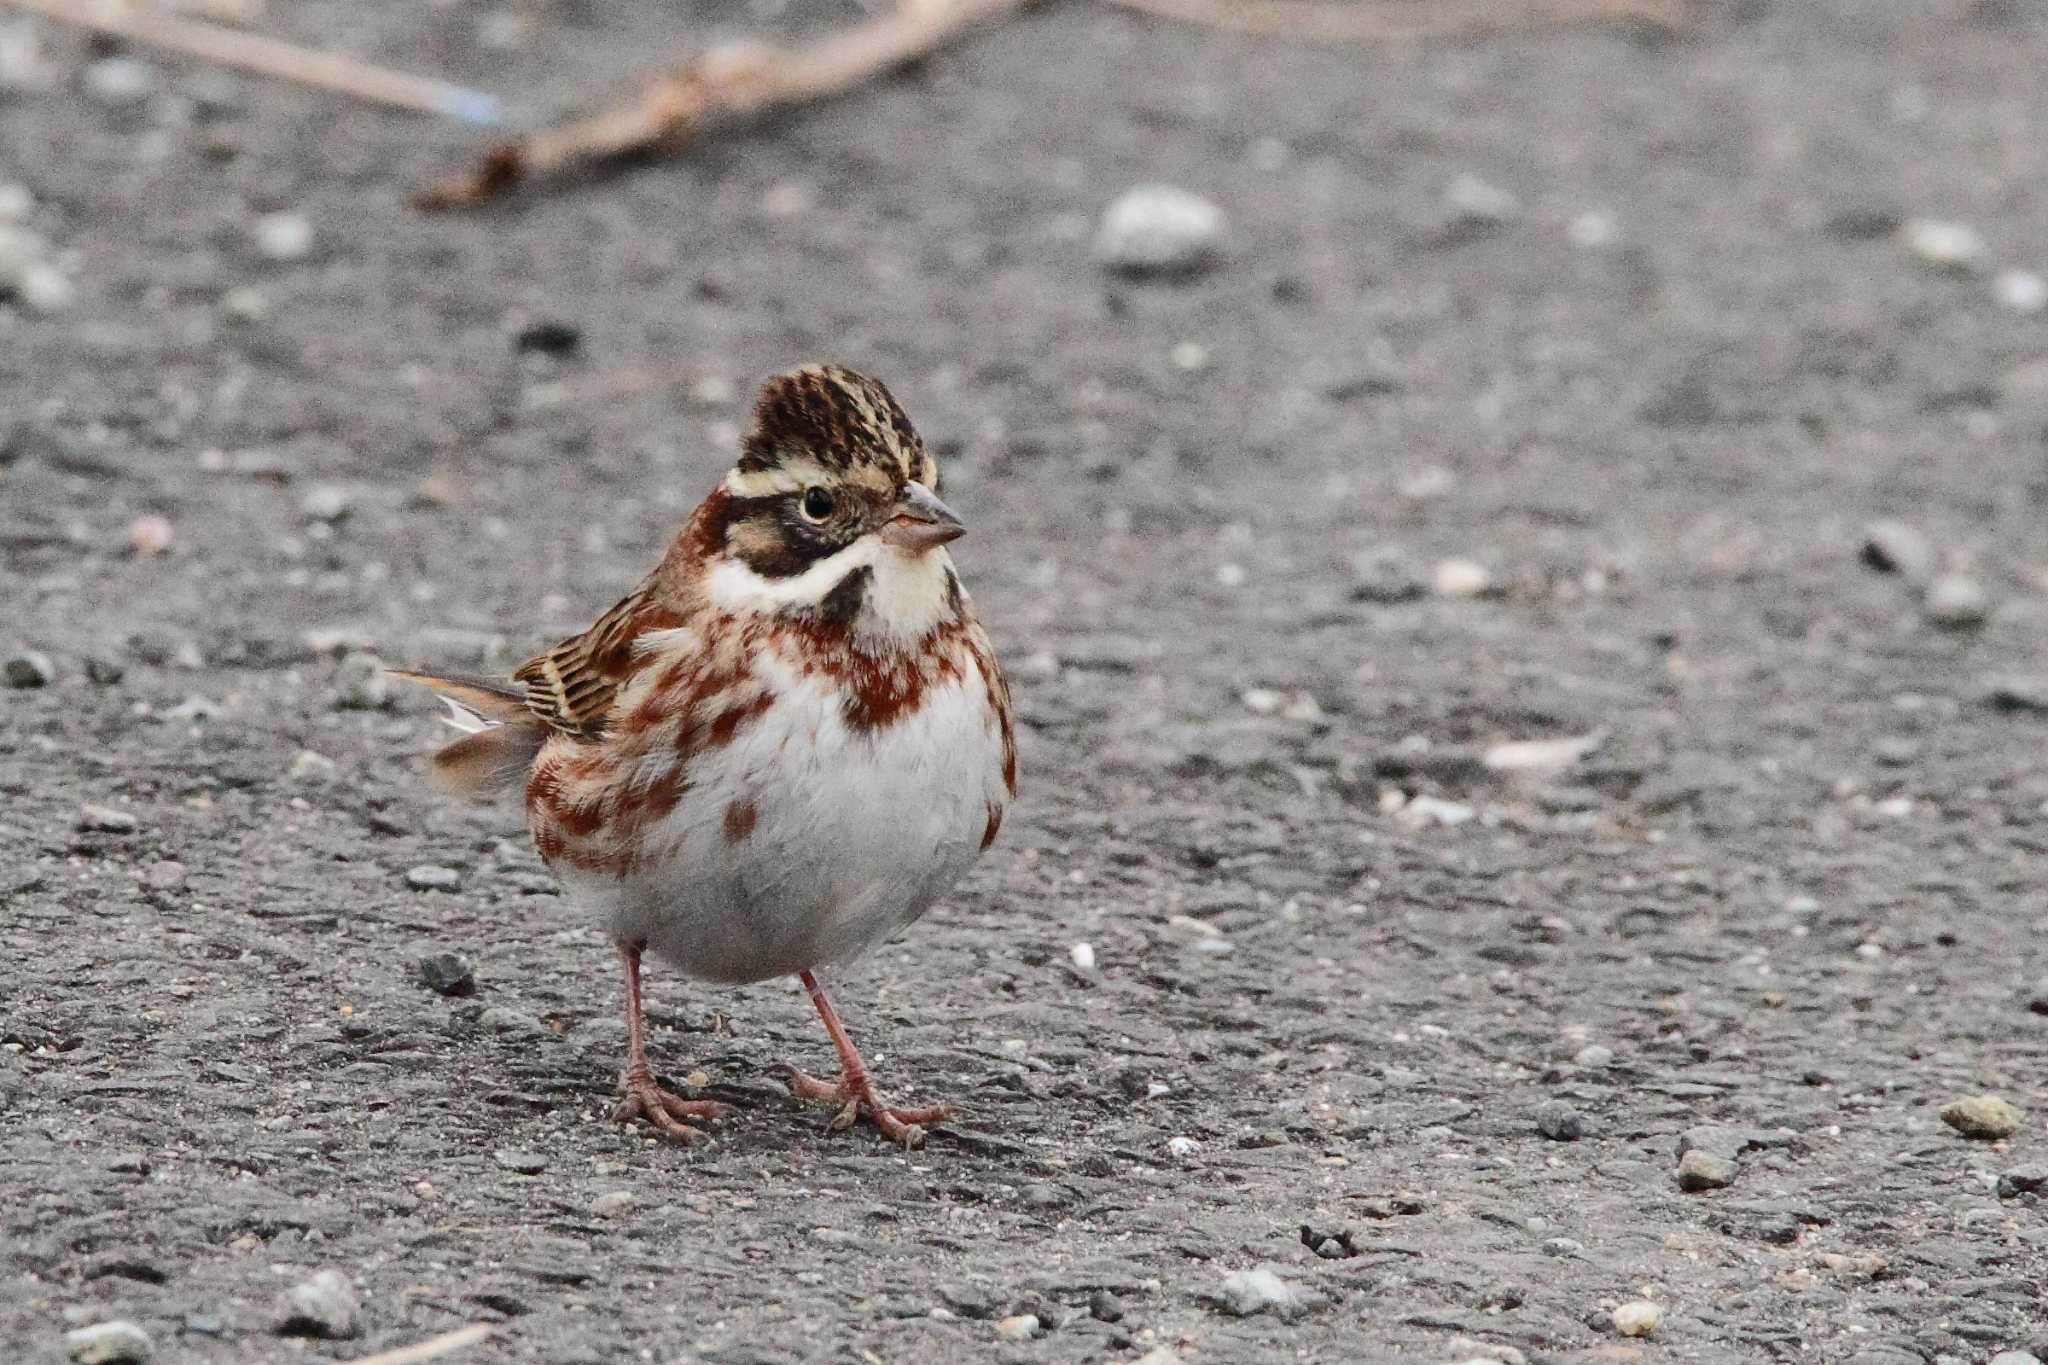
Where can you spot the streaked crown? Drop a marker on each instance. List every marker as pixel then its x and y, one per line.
pixel 823 423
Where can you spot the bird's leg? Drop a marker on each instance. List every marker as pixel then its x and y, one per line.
pixel 853 1092
pixel 644 1097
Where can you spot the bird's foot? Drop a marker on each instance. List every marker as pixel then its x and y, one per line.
pixel 855 1095
pixel 645 1099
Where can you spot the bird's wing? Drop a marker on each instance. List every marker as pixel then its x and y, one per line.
pixel 572 686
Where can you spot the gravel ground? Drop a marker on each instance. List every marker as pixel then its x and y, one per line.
pixel 1639 331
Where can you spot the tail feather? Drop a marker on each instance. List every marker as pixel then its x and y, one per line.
pixel 500 736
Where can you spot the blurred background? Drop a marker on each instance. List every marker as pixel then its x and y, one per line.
pixel 1520 552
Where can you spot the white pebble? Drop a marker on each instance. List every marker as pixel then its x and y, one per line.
pixel 1160 228
pixel 2022 291
pixel 1182 1147
pixel 312 767
pixel 1231 575
pixel 326 502
pixel 1261 1291
pixel 1952 246
pixel 120 80
pixel 44 288
pixel 283 236
pixel 1083 955
pixel 1592 230
pixel 1461 578
pixel 1638 1319
pixel 1434 810
pixel 1191 356
pixel 1022 1327
pixel 1475 201
pixel 109 1343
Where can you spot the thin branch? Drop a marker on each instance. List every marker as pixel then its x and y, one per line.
pixel 737 80
pixel 1352 21
pixel 271 57
pixel 433 1348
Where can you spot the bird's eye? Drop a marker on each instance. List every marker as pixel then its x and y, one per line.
pixel 817 503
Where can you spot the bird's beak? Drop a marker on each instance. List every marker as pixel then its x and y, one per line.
pixel 921 522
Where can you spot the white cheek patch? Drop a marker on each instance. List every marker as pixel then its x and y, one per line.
pixel 907 593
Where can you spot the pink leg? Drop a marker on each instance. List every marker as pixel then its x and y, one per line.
pixel 644 1098
pixel 853 1091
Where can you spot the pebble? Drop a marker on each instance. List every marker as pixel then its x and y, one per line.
pixel 2023 1180
pixel 149 534
pixel 322 1306
pixel 1261 1291
pixel 1540 755
pixel 2021 291
pixel 429 877
pixel 283 236
pixel 520 1162
pixel 1476 203
pixel 1020 1327
pixel 1559 1122
pixel 1182 1147
pixel 1594 1057
pixel 30 668
pixel 107 1342
pixel 2015 1358
pixel 1699 1170
pixel 105 672
pixel 1470 1352
pixel 1950 246
pixel 1638 1319
pixel 448 974
pixel 2013 692
pixel 44 288
pixel 1981 1116
pixel 1460 578
pixel 167 875
pixel 612 1203
pixel 1104 1306
pixel 1592 230
pixel 312 767
pixel 1895 547
pixel 503 1019
pixel 1385 572
pixel 1956 601
pixel 2037 997
pixel 1083 956
pixel 105 820
pixel 326 502
pixel 362 683
pixel 1434 810
pixel 1160 229
pixel 1159 1355
pixel 119 81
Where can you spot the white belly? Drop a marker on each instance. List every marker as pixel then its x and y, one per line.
pixel 848 835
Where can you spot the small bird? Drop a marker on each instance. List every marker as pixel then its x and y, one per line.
pixel 780 748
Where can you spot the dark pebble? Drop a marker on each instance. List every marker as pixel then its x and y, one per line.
pixel 550 338
pixel 1559 1122
pixel 30 669
pixel 2020 692
pixel 2023 1180
pixel 105 672
pixel 1104 1306
pixel 448 974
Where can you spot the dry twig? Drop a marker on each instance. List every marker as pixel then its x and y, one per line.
pixel 433 1348
pixel 738 80
pixel 1351 21
pixel 271 57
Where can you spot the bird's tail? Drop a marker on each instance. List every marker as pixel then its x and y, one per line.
pixel 500 736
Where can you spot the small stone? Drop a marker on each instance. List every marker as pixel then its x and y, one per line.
pixel 104 1343
pixel 1594 1057
pixel 1469 1352
pixel 2015 1358
pixel 612 1203
pixel 2020 291
pixel 1104 1306
pixel 322 1306
pixel 1948 246
pixel 2023 1180
pixel 2014 692
pixel 502 1019
pixel 149 534
pixel 1956 601
pixel 283 236
pixel 1699 1170
pixel 428 877
pixel 1895 547
pixel 167 875
pixel 1182 1147
pixel 1593 230
pixel 1460 578
pixel 1385 572
pixel 1160 229
pixel 1986 1117
pixel 362 683
pixel 447 974
pixel 1189 356
pixel 1021 1327
pixel 30 668
pixel 1638 1319
pixel 1434 810
pixel 1159 1355
pixel 1262 1291
pixel 520 1162
pixel 1476 205
pixel 1083 956
pixel 105 820
pixel 549 337
pixel 2037 997
pixel 1559 1122
pixel 326 502
pixel 43 288
pixel 105 672
pixel 1540 756
pixel 206 1324
pixel 313 768
pixel 119 81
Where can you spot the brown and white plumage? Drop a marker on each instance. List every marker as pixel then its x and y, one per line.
pixel 787 741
